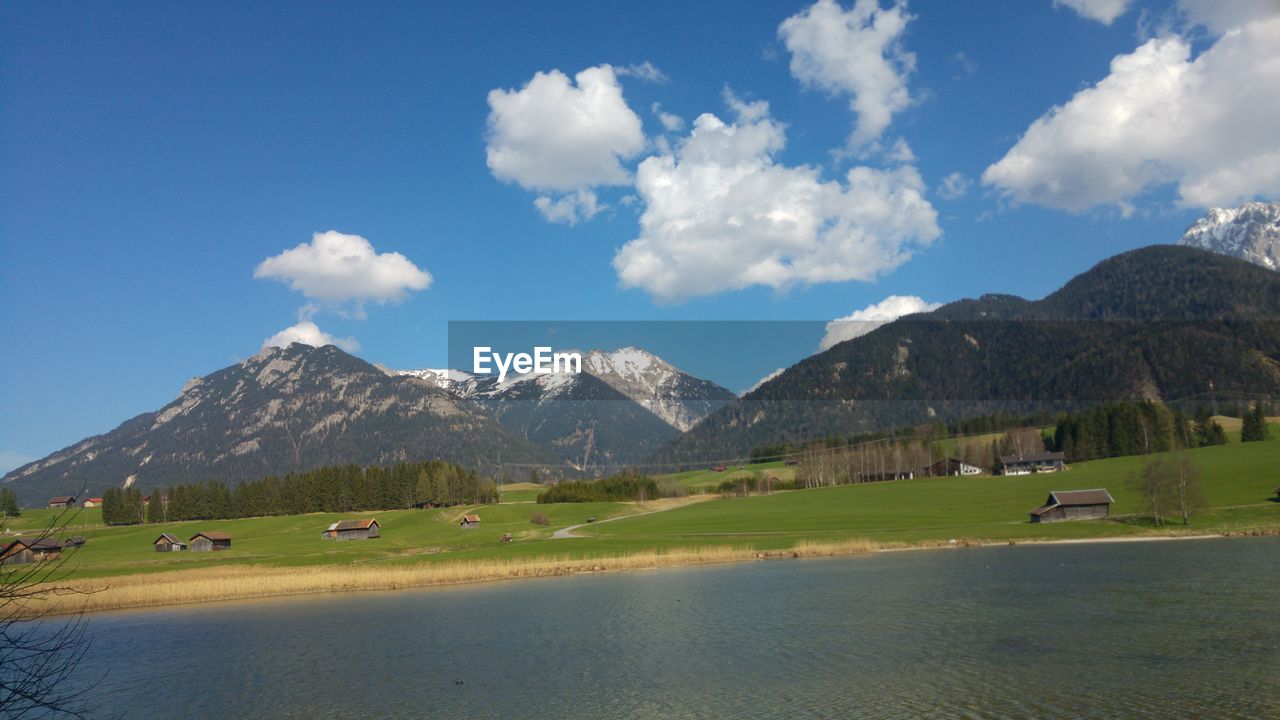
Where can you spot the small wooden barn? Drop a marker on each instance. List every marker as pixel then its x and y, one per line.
pixel 1074 505
pixel 168 542
pixel 353 530
pixel 1036 462
pixel 25 550
pixel 15 552
pixel 93 502
pixel 73 542
pixel 62 501
pixel 207 541
pixel 469 521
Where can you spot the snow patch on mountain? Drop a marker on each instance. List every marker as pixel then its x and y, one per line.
pixel 1249 232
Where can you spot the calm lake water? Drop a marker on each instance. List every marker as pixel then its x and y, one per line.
pixel 1162 629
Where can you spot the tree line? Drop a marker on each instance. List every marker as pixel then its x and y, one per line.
pixel 1141 427
pixel 334 489
pixel 625 486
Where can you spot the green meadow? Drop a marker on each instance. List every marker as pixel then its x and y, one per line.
pixel 1238 481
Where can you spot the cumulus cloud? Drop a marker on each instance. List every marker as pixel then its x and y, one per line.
pixel 570 208
pixel 721 214
pixel 954 186
pixel 863 321
pixel 1104 11
pixel 308 333
pixel 337 268
pixel 857 53
pixel 557 134
pixel 1206 125
pixel 1221 16
pixel 644 71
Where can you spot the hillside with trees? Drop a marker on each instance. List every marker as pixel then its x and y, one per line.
pixel 1161 324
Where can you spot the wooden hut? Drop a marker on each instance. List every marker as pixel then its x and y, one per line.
pixel 61 502
pixel 73 542
pixel 1074 505
pixel 168 542
pixel 45 548
pixel 15 552
pixel 207 541
pixel 353 530
pixel 1036 462
pixel 469 521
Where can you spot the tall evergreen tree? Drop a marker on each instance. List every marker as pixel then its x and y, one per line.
pixel 9 503
pixel 156 508
pixel 1255 425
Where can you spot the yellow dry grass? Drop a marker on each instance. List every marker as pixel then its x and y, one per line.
pixel 1234 424
pixel 256 581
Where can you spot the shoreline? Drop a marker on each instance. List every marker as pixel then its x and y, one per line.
pixel 252 582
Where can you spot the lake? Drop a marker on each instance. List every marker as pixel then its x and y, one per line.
pixel 1158 629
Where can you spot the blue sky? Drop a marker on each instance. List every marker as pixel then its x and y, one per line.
pixel 154 155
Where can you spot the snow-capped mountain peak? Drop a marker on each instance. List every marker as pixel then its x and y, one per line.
pixel 679 399
pixel 1249 232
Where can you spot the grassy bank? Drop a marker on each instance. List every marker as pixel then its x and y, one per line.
pixel 285 555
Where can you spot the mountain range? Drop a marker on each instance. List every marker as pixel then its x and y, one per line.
pixel 1163 322
pixel 297 408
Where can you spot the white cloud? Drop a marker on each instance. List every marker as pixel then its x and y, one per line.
pixel 644 71
pixel 863 321
pixel 670 121
pixel 338 268
pixel 1206 125
pixel 1104 11
pixel 1221 16
pixel 307 333
pixel 763 380
pixel 900 152
pixel 720 214
pixel 954 186
pixel 855 52
pixel 570 208
pixel 555 135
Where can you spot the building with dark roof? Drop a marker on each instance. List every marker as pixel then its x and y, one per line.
pixel 1074 505
pixel 952 466
pixel 168 542
pixel 353 530
pixel 206 541
pixel 1037 462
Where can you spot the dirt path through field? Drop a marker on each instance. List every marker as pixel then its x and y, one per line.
pixel 657 506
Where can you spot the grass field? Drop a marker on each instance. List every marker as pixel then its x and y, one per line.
pixel 1238 480
pixel 523 492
